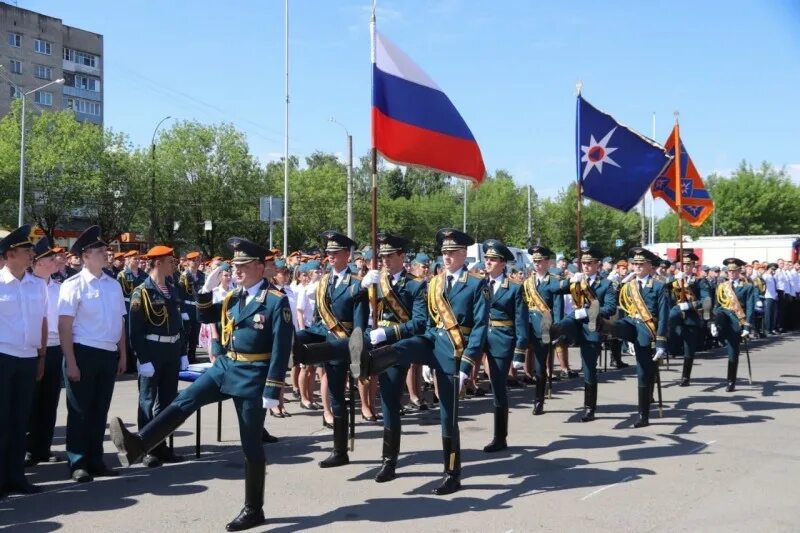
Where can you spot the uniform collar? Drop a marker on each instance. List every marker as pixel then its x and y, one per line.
pixel 7 277
pixel 89 277
pixel 499 279
pixel 456 275
pixel 253 291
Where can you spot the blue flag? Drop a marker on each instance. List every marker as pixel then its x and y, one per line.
pixel 616 165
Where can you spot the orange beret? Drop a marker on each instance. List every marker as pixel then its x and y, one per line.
pixel 119 255
pixel 59 250
pixel 295 254
pixel 159 251
pixel 132 253
pixel 622 263
pixel 192 255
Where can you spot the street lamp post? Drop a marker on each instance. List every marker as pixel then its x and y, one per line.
pixel 21 213
pixel 350 228
pixel 151 238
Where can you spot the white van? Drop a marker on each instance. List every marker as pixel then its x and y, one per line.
pixel 475 254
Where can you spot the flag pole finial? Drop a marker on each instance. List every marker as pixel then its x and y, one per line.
pixel 579 87
pixel 676 115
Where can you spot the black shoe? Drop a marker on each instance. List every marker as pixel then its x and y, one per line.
pixel 131 448
pixel 335 459
pixel 731 386
pixel 326 424
pixel 644 408
pixel 733 366
pixel 620 364
pixel 81 476
pixel 588 415
pixel 420 405
pixel 387 471
pixel 538 408
pixel 450 485
pixel 151 461
pixel 166 454
pixel 22 487
pixel 684 382
pixel 266 437
pixel 102 471
pixel 338 456
pixel 497 445
pixel 248 517
pixel 500 431
pixel 29 460
pixel 589 401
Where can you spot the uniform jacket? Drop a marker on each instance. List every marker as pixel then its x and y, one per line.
pixel 189 287
pixel 746 293
pixel 412 293
pixel 656 297
pixel 153 313
pixel 129 282
pixel 551 289
pixel 347 302
pixel 606 293
pixel 508 320
pixel 701 289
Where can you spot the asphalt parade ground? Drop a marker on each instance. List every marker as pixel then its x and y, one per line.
pixel 716 461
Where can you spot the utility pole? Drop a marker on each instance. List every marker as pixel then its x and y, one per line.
pixel 530 220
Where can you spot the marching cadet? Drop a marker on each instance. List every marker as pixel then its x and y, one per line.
pixel 340 307
pixel 130 277
pixel 693 305
pixel 458 307
pixel 593 299
pixel 645 302
pixel 190 282
pixel 615 345
pixel 543 296
pixel 733 314
pixel 507 335
pixel 48 387
pixel 91 328
pixel 23 336
pixel 402 313
pixel 256 332
pixel 155 330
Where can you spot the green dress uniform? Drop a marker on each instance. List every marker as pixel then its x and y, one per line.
pixel 686 321
pixel 598 298
pixel 733 315
pixel 190 284
pixel 341 307
pixel 645 303
pixel 155 330
pixel 256 335
pixel 402 313
pixel 458 307
pixel 545 305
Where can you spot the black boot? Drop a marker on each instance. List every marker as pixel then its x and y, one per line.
pixel 538 399
pixel 452 467
pixel 338 456
pixel 252 514
pixel 687 371
pixel 313 354
pixel 500 431
pixel 732 368
pixel 267 438
pixel 589 401
pixel 616 354
pixel 644 407
pixel 132 447
pixel 391 449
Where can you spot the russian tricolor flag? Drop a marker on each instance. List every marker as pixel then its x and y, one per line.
pixel 414 122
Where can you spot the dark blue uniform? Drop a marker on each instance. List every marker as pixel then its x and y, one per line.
pixel 507 334
pixel 190 284
pixel 687 326
pixel 733 319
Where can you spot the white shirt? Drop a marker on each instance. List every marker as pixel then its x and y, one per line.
pixel 219 293
pixel 53 288
pixel 291 295
pixel 771 290
pixel 252 292
pixel 307 301
pixel 780 280
pixel 98 308
pixel 338 277
pixel 23 306
pixel 456 275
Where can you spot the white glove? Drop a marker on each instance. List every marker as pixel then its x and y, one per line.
pixel 370 278
pixel 184 316
pixel 678 275
pixel 184 362
pixel 462 377
pixel 269 403
pixel 684 306
pixel 576 278
pixel 660 354
pixel 614 276
pixel 629 277
pixel 146 370
pixel 759 304
pixel 427 374
pixel 212 280
pixel 745 333
pixel 754 275
pixel 713 329
pixel 580 313
pixel 377 336
pixel 518 365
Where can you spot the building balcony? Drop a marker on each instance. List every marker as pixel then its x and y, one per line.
pixel 83 93
pixel 71 66
pixel 85 117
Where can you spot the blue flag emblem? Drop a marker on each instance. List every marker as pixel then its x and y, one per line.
pixel 616 165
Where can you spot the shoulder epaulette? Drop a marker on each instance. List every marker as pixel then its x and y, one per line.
pixel 277 292
pixel 74 276
pixel 514 282
pixel 476 275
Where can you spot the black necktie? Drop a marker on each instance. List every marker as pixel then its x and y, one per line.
pixel 491 286
pixel 449 283
pixel 333 283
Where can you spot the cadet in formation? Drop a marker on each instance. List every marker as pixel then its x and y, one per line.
pixel 402 314
pixel 190 283
pixel 156 335
pixel 507 334
pixel 543 294
pixel 645 303
pixel 594 300
pixel 256 333
pixel 733 314
pixel 692 296
pixel 340 307
pixel 458 316
pixel 130 277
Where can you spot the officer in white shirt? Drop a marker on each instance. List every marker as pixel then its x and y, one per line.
pixel 23 335
pixel 91 323
pixel 48 388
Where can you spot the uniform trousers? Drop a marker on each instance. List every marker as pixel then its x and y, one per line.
pixel 17 382
pixel 47 393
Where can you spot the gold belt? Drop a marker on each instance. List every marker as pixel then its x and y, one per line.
pixel 464 329
pixel 249 357
pixel 347 325
pixel 388 323
pixel 501 323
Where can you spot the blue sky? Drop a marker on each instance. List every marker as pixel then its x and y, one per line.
pixel 732 69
